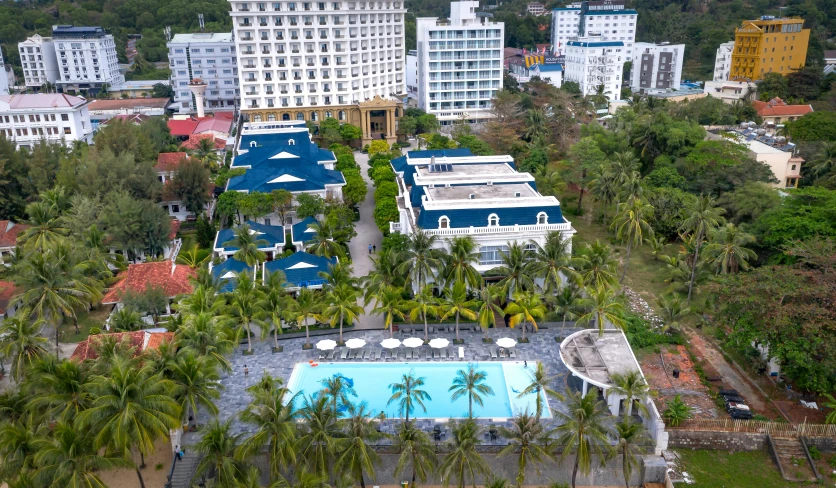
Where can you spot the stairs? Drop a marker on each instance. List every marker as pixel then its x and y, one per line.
pixel 184 470
pixel 792 457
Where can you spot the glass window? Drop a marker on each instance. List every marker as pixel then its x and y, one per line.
pixel 489 255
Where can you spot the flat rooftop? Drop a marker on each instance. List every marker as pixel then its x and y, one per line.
pixel 598 358
pixel 480 192
pixel 467 170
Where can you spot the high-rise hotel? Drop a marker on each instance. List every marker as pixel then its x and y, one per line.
pixel 314 60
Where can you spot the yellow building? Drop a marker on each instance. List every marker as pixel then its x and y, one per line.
pixel 768 45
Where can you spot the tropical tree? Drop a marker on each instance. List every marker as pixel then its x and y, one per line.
pixel 604 190
pixel 567 303
pixel 528 441
pixel 18 445
pixel 408 393
pixel 632 226
pixel 456 303
pixel 197 383
pixel 421 259
pixel 672 309
pixel 677 412
pixel 462 460
pixel 487 308
pixel 831 404
pixel 21 343
pixel 703 217
pixel 46 227
pixel 601 306
pixel 824 160
pixel 322 242
pixel 274 301
pixel 515 269
pixel 246 242
pixel 423 305
pixel 274 415
pixel 245 306
pixel 596 265
pixel 415 449
pixel 357 455
pixel 318 442
pixel 460 261
pixel 526 307
pixel 553 263
pixel 301 308
pixel 727 249
pixel 389 302
pixel 206 334
pixel 541 382
pixel 470 383
pixel 628 447
pixel 341 304
pixel 338 389
pixel 205 151
pixel 221 454
pixel 194 257
pixel 632 386
pixel 582 430
pixel 126 319
pixel 59 389
pixel 203 299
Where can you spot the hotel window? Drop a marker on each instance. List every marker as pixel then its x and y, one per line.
pixel 542 218
pixel 493 220
pixel 489 255
pixel 443 223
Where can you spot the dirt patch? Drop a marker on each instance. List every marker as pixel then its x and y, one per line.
pixel 659 369
pixel 153 477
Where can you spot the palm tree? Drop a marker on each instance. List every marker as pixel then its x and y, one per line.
pixel 470 383
pixel 205 151
pixel 386 264
pixel 596 265
pixel 340 304
pixel 132 408
pixel 487 307
pixel 604 190
pixel 21 343
pixel 274 301
pixel 246 242
pixel 830 404
pixel 582 430
pixel 46 228
pixel 515 269
pixel 624 165
pixel 194 257
pixel 69 457
pixel 703 217
pixel 463 460
pixel 202 299
pixel 727 249
pixel 318 444
pixel 657 246
pixel 18 446
pixel 567 303
pixel 541 382
pixel 632 386
pixel 535 123
pixel 357 456
pixel 456 303
pixel 245 305
pixel 601 306
pixel 303 307
pixel 824 160
pixel 273 413
pixel 552 263
pixel 600 95
pixel 672 309
pixel 337 389
pixel 424 304
pixel 126 319
pixel 197 384
pixel 322 242
pixel 527 439
pixel 408 393
pixel 389 302
pixel 221 454
pixel 417 450
pixel 677 412
pixel 421 260
pixel 338 274
pixel 632 226
pixel 460 261
pixel 526 307
pixel 629 434
pixel 205 334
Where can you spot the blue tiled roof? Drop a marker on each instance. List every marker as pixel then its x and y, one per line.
pixel 294 175
pixel 417 191
pixel 300 231
pixel 300 138
pixel 230 266
pixel 399 164
pixel 301 269
pixel 550 67
pixel 478 217
pixel 612 12
pixel 273 234
pixel 267 155
pixel 596 44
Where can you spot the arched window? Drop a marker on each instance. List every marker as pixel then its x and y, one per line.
pixel 256 118
pixel 329 114
pixel 341 115
pixel 444 223
pixel 300 116
pixel 397 112
pixel 291 142
pixel 252 143
pixel 285 116
pixel 493 220
pixel 542 218
pixel 314 116
pixel 271 117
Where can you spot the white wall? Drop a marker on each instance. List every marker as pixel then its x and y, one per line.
pixel 37 56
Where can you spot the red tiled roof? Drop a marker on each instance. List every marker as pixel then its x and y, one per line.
pixel 215 124
pixel 194 140
pixel 140 341
pixel 175 226
pixel 778 107
pixel 9 232
pixel 182 127
pixel 219 122
pixel 128 103
pixel 169 161
pixel 157 339
pixel 135 118
pixel 159 274
pixel 7 291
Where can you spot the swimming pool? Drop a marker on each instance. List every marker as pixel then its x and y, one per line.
pixel 371 382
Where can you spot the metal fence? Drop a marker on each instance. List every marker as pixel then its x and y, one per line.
pixel 777 429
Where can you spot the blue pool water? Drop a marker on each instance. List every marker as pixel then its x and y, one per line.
pixel 371 382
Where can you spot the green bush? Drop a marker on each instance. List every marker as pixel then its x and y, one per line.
pixel 381 174
pixel 95 330
pixel 386 189
pixel 640 335
pixel 814 452
pixel 386 211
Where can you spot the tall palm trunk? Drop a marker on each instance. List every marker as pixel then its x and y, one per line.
pixel 276 329
pixel 360 476
pixel 694 266
pixel 341 326
pixel 307 332
pixel 624 466
pixel 523 330
pixel 249 340
pixel 470 403
pixel 139 475
pixel 626 263
pixel 564 321
pixel 575 468
pixel 426 327
pixel 457 326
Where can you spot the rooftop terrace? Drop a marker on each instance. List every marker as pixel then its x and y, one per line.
pixel 481 192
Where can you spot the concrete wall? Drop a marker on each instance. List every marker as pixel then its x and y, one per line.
pixel 722 441
pixel 824 444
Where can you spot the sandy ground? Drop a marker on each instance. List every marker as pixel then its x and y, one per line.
pixel 688 385
pixel 154 478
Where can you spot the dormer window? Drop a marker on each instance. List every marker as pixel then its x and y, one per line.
pixel 493 220
pixel 291 142
pixel 444 223
pixel 252 143
pixel 542 218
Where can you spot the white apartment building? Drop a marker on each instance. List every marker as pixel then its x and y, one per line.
pixel 53 117
pixel 607 19
pixel 412 72
pixel 86 57
pixel 535 8
pixel 312 60
pixel 591 62
pixel 656 67
pixel 459 63
pixel 210 57
pixel 722 62
pixel 37 57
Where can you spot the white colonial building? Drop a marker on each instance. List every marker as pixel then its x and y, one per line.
pixel 450 193
pixel 37 58
pixel 722 62
pixel 592 62
pixel 656 67
pixel 54 117
pixel 211 58
pixel 86 57
pixel 459 63
pixel 607 19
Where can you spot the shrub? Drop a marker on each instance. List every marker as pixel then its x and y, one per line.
pixel 640 335
pixel 677 412
pixel 381 174
pixel 386 189
pixel 386 211
pixel 95 330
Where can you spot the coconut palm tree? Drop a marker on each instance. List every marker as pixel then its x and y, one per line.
pixel 583 431
pixel 624 165
pixel 274 301
pixel 553 263
pixel 415 449
pixel 462 460
pixel 60 389
pixel 197 384
pixel 628 447
pixel 830 404
pixel 69 457
pixel 632 386
pixel 340 305
pixel 337 389
pixel 601 306
pixel 389 302
pixel 408 394
pixel 205 151
pixel 245 306
pixel 338 274
pixel 46 227
pixel 460 262
pixel 206 334
pixel 202 299
pixel 322 242
pixel 703 217
pixel 528 441
pixel 194 257
pixel 246 242
pixel 423 305
pixel 421 260
pixel 632 227
pixel 597 265
pixel 535 124
pixel 274 415
pixel 161 358
pixel 824 160
pixel 470 383
pixel 604 190
pixel 456 303
pixel 727 249
pixel 221 454
pixel 21 343
pixel 385 272
pixel 18 446
pixel 672 309
pixel 515 269
pixel 126 319
pixel 487 308
pixel 541 382
pixel 318 442
pixel 300 309
pixel 567 303
pixel 526 308
pixel 357 455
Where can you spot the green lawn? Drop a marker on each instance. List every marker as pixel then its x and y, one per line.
pixel 722 469
pixel 86 320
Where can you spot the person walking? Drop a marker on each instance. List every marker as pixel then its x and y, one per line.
pixel 370 249
pixel 246 371
pixel 374 249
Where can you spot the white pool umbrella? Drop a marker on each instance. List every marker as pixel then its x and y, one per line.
pixel 439 343
pixel 413 342
pixel 326 345
pixel 390 343
pixel 506 342
pixel 355 343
